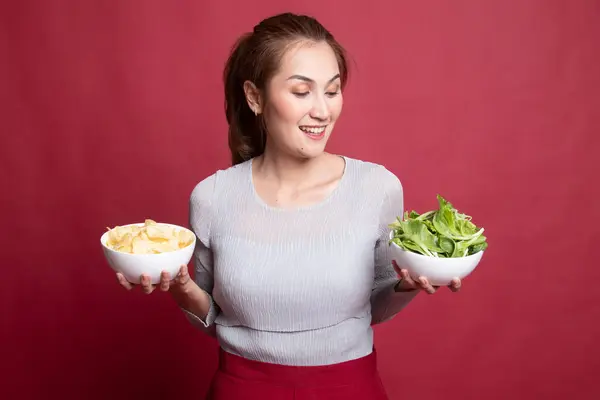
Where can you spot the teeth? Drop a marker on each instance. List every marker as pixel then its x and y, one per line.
pixel 313 130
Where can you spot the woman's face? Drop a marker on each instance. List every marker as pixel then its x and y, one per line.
pixel 303 100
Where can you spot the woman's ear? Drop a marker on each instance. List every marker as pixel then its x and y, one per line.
pixel 253 97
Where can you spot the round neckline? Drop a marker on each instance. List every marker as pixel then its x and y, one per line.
pixel 308 207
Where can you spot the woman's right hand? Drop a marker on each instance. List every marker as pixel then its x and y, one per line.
pixel 182 283
pixel 186 293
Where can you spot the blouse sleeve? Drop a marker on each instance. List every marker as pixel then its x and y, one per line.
pixel 200 218
pixel 385 301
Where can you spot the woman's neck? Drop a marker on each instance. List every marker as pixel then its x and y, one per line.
pixel 288 171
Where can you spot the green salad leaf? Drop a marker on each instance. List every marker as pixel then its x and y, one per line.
pixel 443 233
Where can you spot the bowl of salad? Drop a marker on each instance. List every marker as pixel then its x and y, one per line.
pixel 439 245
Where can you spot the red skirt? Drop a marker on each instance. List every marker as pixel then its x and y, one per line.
pixel 240 378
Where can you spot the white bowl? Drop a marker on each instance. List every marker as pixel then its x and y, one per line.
pixel 438 271
pixel 132 266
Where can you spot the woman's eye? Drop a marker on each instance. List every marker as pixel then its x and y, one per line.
pixel 304 94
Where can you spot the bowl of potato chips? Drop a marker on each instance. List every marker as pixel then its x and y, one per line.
pixel 148 248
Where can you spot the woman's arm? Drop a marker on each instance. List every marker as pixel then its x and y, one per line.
pixel 198 304
pixel 386 301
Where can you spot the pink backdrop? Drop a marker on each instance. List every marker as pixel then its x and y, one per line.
pixel 112 111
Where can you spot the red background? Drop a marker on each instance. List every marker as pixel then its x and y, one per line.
pixel 113 111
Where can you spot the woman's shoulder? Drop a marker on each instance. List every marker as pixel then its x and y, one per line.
pixel 377 184
pixel 205 190
pixel 373 173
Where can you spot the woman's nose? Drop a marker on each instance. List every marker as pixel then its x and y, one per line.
pixel 320 109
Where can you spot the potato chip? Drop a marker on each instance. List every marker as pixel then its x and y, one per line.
pixel 185 237
pixel 150 238
pixel 158 233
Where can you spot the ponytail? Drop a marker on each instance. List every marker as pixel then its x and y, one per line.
pixel 247 136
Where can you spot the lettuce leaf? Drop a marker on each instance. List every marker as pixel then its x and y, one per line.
pixel 442 233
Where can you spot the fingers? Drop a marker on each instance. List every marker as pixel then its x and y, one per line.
pixel 147 286
pixel 396 267
pixel 183 276
pixel 408 282
pixel 422 282
pixel 124 281
pixel 455 285
pixel 398 270
pixel 425 285
pixel 406 278
pixel 403 274
pixel 165 281
pixel 146 283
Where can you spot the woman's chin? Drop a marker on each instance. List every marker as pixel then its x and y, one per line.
pixel 311 151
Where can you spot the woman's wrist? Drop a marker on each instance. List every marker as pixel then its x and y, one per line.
pixel 191 298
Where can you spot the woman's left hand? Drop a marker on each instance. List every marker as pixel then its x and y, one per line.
pixel 407 283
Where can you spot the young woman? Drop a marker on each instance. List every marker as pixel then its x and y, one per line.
pixel 292 265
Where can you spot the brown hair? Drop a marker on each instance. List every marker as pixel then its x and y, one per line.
pixel 255 57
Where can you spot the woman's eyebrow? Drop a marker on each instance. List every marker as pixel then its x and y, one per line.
pixel 306 79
